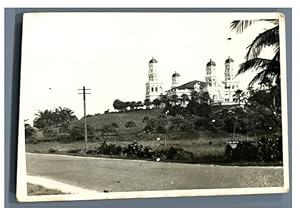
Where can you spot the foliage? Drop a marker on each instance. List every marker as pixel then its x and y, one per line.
pixel 239 97
pixel 127 105
pixel 244 151
pixel 130 124
pixel 270 148
pixel 134 150
pixel 77 132
pixel 159 125
pixel 267 149
pixel 109 128
pixel 59 117
pixel 29 133
pixel 147 102
pixel 267 69
pixel 109 149
pixel 156 102
pixel 138 151
pixel 52 150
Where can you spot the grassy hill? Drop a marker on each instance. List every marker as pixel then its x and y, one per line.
pixel 121 118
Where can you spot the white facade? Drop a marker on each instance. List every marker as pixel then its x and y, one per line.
pixel 214 87
pixel 220 92
pixel 154 87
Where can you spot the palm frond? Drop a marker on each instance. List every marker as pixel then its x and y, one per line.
pixel 255 63
pixel 267 38
pixel 258 77
pixel 240 25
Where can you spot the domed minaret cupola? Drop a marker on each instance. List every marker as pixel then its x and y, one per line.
pixel 153 86
pixel 175 79
pixel 210 77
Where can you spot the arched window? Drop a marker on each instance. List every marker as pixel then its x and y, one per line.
pixel 156 89
pixel 152 89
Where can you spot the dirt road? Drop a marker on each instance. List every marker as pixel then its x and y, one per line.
pixel 131 175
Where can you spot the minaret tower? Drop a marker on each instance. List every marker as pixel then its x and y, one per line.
pixel 153 86
pixel 231 85
pixel 210 77
pixel 212 83
pixel 175 79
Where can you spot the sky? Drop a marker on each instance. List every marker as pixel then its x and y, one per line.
pixel 109 54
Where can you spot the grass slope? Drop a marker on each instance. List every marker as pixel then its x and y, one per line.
pixel 121 118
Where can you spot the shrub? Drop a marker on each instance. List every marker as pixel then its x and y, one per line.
pixel 244 151
pixel 52 150
pixel 270 149
pixel 138 151
pixel 77 133
pixel 109 149
pixel 74 151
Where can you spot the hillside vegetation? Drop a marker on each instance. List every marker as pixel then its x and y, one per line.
pixel 121 118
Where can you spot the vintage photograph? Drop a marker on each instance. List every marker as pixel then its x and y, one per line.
pixel 133 105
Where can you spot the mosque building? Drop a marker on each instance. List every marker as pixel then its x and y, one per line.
pixel 220 92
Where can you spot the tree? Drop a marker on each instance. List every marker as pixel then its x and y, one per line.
pixel 60 117
pixel 164 99
pixel 29 132
pixel 119 105
pixel 114 125
pixel 175 99
pixel 204 97
pixel 184 98
pixel 132 105
pixel 156 102
pixel 195 96
pixel 147 102
pixel 239 96
pixel 267 69
pixel 44 119
pixel 107 129
pixel 139 104
pixel 130 124
pixel 145 119
pixel 77 132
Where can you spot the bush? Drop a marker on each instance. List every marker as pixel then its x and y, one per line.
pixel 74 151
pixel 174 154
pixel 270 149
pixel 244 151
pixel 52 150
pixel 109 149
pixel 77 133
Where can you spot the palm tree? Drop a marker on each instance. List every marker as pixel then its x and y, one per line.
pixel 268 69
pixel 44 119
pixel 239 96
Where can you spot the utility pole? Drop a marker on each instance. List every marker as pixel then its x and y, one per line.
pixel 84 111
